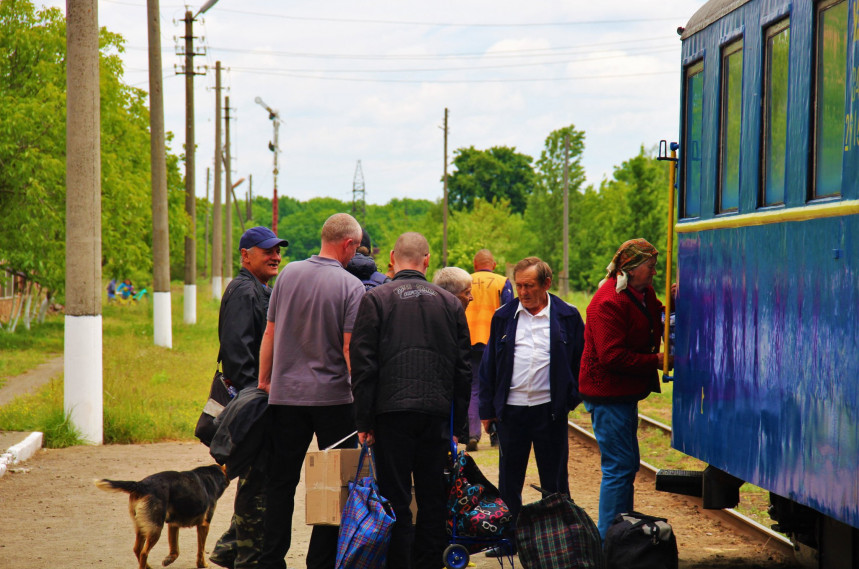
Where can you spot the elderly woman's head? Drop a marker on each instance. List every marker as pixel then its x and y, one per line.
pixel 455 281
pixel 634 265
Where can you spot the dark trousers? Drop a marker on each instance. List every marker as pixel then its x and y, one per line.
pixel 522 427
pixel 292 430
pixel 410 444
pixel 474 425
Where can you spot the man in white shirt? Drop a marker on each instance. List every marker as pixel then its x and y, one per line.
pixel 529 382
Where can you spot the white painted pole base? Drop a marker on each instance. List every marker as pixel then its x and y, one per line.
pixel 217 291
pixel 227 281
pixel 161 319
pixel 190 305
pixel 82 391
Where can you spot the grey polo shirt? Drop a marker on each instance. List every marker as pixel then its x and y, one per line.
pixel 313 303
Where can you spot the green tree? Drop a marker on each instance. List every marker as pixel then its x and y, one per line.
pixel 544 216
pixel 32 154
pixel 490 226
pixel 634 203
pixel 497 173
pixel 32 142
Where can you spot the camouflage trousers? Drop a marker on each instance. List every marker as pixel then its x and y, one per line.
pixel 241 545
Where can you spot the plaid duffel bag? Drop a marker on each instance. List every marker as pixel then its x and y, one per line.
pixel 555 533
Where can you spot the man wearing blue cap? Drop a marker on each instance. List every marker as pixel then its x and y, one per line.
pixel 241 325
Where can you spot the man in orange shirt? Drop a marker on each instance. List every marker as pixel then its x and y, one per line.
pixel 490 292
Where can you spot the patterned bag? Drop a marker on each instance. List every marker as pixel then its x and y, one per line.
pixel 555 533
pixel 475 503
pixel 366 522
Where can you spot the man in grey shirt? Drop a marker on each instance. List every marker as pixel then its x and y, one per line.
pixel 304 366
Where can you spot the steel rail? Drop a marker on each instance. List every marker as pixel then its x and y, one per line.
pixel 733 517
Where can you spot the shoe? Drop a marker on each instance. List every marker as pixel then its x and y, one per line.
pixel 471 446
pixel 501 551
pixel 493 439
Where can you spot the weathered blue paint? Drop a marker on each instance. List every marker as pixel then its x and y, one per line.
pixel 767 355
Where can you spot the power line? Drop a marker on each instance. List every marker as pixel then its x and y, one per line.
pixel 256 71
pixel 472 68
pixel 609 21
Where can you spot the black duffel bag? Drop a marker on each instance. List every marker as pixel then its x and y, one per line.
pixel 639 541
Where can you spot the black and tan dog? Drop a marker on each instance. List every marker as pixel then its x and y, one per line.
pixel 179 499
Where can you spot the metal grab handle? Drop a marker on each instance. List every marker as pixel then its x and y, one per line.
pixel 663 147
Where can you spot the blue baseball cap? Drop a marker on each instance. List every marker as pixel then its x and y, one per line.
pixel 261 237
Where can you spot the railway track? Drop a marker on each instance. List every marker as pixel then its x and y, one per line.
pixel 735 520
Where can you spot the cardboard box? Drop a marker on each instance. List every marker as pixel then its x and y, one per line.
pixel 327 475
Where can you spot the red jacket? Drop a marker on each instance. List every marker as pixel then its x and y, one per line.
pixel 619 362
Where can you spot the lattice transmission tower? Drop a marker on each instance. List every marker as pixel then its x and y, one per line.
pixel 359 205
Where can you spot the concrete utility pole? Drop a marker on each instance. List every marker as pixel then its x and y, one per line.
pixel 565 274
pixel 190 301
pixel 250 196
pixel 161 321
pixel 217 229
pixel 82 350
pixel 274 146
pixel 206 238
pixel 444 222
pixel 236 203
pixel 228 212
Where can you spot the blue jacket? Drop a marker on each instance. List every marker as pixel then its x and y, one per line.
pixel 566 342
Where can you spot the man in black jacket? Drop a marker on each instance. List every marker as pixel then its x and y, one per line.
pixel 241 325
pixel 409 350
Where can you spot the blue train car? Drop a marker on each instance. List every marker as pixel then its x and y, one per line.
pixel 767 348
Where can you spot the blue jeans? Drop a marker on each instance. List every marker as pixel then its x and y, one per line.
pixel 616 430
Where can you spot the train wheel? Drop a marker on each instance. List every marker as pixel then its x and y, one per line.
pixel 456 557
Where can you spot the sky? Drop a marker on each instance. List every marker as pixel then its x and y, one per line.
pixel 370 81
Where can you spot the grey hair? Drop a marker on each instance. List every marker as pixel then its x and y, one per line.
pixel 452 279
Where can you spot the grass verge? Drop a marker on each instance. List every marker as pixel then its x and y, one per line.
pixel 150 393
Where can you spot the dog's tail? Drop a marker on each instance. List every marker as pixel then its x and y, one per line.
pixel 126 486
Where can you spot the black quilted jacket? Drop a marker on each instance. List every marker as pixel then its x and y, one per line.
pixel 409 352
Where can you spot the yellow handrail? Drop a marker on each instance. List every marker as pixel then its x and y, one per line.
pixel 668 258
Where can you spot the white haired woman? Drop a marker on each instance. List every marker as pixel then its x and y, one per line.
pixel 455 281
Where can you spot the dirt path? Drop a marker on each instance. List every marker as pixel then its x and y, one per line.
pixel 51 515
pixel 32 380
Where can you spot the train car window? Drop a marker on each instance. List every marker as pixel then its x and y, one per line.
pixel 729 131
pixel 694 119
pixel 774 141
pixel 830 97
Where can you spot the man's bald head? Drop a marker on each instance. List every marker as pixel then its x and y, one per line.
pixel 484 261
pixel 411 252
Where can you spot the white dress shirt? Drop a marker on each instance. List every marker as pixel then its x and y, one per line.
pixel 529 385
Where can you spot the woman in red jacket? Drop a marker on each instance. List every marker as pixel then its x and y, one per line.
pixel 619 368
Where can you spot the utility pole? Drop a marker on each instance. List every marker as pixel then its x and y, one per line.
pixel 359 204
pixel 565 274
pixel 444 222
pixel 161 320
pixel 274 146
pixel 217 229
pixel 190 300
pixel 206 238
pixel 82 347
pixel 236 202
pixel 228 184
pixel 250 196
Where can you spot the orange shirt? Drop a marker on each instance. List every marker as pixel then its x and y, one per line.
pixel 486 289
